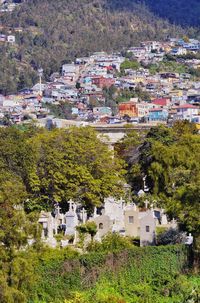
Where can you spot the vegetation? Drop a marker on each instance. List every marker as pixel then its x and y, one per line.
pixel 169 159
pixel 62 110
pixel 50 35
pixel 179 12
pixel 58 165
pixel 129 64
pixel 40 168
pixel 129 275
pixel 168 66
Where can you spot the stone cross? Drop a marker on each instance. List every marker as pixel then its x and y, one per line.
pixel 57 208
pixel 71 203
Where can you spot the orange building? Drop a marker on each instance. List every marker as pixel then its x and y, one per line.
pixel 101 81
pixel 128 108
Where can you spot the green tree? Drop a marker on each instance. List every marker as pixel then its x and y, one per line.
pixel 73 164
pixel 129 64
pixel 16 228
pixel 170 158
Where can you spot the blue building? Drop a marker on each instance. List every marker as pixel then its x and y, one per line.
pixel 158 114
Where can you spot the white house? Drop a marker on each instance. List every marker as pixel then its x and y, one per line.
pixel 11 39
pixel 186 112
pixel 70 71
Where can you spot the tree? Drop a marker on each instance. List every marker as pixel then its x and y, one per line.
pixel 127 64
pixel 72 164
pixel 170 160
pixel 16 270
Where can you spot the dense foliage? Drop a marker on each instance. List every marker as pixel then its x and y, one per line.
pixel 57 165
pixel 131 275
pixel 169 157
pixel 54 32
pixel 181 12
pixel 40 168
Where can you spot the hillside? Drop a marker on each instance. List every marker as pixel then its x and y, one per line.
pixel 56 31
pixel 180 12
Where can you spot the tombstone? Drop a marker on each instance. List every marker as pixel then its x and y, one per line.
pixel 189 240
pixel 83 215
pixel 71 219
pixel 115 211
pixel 164 220
pixel 48 227
pixel 141 193
pixel 64 243
pixel 43 220
pixel 104 226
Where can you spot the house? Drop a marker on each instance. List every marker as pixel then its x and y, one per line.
pixel 70 71
pixel 11 39
pixel 143 109
pixel 3 38
pixel 191 46
pixel 178 51
pixel 128 108
pixel 162 102
pixel 102 111
pixel 158 114
pixel 101 81
pixel 186 112
pixel 138 52
pixel 169 75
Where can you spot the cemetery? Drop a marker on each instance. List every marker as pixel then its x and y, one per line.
pixel 116 216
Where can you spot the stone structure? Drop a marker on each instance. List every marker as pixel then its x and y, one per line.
pixel 71 219
pixel 114 216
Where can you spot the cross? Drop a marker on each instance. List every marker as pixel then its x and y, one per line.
pixel 57 209
pixel 71 203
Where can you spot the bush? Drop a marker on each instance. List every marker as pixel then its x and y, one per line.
pixel 170 236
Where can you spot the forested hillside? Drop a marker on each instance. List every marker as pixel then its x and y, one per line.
pixel 181 12
pixel 56 31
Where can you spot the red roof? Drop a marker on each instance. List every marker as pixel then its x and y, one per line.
pixel 186 106
pixel 161 101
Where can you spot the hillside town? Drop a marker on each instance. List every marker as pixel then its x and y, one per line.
pixel 135 86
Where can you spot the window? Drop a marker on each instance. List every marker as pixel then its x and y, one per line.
pixel 100 225
pixel 147 229
pixel 130 219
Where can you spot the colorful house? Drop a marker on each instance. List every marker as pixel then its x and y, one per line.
pixel 128 108
pixel 163 102
pixel 186 112
pixel 158 114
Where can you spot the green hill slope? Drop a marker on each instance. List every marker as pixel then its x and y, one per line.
pixel 57 31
